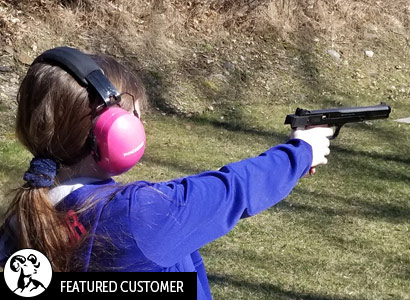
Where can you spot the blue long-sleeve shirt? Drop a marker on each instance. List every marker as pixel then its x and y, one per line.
pixel 146 226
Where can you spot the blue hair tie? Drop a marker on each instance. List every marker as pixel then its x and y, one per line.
pixel 41 173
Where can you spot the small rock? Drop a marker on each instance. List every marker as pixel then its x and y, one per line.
pixel 25 59
pixel 358 75
pixel 211 108
pixel 5 69
pixel 228 66
pixel 9 50
pixel 103 48
pixel 369 53
pixel 334 54
pixel 370 35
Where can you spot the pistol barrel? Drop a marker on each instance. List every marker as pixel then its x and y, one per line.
pixel 337 116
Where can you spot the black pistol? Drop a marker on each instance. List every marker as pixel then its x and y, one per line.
pixel 337 117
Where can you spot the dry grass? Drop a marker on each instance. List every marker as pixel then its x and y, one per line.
pixel 339 21
pixel 190 34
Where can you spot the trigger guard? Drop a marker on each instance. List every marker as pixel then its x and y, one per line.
pixel 337 131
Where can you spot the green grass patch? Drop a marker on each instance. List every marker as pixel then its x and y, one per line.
pixel 14 161
pixel 342 234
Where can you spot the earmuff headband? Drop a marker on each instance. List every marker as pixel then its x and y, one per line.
pixel 84 69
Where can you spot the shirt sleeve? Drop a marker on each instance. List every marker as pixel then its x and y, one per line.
pixel 172 219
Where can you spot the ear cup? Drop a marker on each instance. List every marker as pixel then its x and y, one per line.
pixel 120 139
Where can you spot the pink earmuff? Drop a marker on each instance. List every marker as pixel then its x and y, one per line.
pixel 120 139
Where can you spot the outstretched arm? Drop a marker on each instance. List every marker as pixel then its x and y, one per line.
pixel 173 219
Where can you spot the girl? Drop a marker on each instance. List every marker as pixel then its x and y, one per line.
pixel 71 209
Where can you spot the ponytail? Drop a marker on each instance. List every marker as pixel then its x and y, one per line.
pixel 40 226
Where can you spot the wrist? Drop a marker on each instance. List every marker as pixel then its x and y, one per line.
pixel 306 152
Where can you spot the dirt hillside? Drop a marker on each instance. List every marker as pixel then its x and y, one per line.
pixel 197 56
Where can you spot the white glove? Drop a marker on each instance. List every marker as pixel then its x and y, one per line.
pixel 317 137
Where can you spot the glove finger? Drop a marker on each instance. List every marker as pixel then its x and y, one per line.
pixel 328 131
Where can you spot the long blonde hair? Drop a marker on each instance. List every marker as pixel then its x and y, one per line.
pixel 54 118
